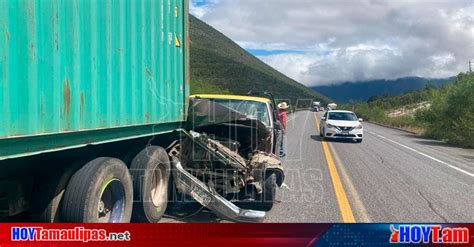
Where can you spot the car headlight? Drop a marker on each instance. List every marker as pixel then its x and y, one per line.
pixel 358 127
pixel 331 126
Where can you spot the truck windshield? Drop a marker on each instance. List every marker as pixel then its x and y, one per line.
pixel 251 109
pixel 345 116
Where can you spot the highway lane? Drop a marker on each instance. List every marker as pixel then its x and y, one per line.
pixel 308 195
pixel 393 176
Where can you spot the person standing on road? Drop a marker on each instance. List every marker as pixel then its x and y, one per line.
pixel 282 107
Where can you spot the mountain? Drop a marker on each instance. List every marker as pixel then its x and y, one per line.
pixel 361 91
pixel 219 65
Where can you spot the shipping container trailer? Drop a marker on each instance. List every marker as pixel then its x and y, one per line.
pixel 80 81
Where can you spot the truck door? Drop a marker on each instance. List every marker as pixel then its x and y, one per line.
pixel 277 130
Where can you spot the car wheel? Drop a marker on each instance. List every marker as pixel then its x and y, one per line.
pixel 150 172
pixel 266 199
pixel 324 134
pixel 99 192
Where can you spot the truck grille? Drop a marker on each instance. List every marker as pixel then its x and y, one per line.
pixel 339 135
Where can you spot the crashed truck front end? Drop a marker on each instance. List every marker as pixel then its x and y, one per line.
pixel 225 157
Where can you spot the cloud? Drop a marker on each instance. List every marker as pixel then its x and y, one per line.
pixel 200 8
pixel 351 40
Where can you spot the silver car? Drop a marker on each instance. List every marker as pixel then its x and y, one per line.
pixel 341 124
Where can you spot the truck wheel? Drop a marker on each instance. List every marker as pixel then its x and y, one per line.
pixel 150 173
pixel 99 192
pixel 267 197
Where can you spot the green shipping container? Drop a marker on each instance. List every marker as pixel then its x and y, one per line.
pixel 81 72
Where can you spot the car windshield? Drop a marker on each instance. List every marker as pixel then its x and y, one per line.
pixel 251 109
pixel 346 116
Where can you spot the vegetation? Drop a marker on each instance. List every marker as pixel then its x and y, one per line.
pixel 450 116
pixel 218 65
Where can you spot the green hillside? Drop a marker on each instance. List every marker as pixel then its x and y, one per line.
pixel 444 113
pixel 219 65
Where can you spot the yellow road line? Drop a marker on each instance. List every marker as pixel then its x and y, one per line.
pixel 356 201
pixel 344 206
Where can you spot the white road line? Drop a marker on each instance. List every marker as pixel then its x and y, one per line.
pixel 428 156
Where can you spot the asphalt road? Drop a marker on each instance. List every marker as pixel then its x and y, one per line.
pixel 393 176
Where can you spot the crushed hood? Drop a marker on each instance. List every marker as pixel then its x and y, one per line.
pixel 206 112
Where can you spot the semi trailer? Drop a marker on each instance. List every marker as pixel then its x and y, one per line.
pixel 316 106
pixel 91 94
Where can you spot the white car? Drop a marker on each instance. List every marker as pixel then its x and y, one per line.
pixel 341 124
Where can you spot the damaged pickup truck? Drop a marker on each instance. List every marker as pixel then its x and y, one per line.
pixel 228 153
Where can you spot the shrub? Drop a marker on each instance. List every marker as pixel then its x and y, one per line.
pixel 451 116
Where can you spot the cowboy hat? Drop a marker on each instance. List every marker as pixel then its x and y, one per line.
pixel 283 106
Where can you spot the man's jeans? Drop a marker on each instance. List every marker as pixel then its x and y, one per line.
pixel 282 146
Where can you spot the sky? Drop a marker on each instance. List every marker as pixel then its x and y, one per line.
pixel 321 42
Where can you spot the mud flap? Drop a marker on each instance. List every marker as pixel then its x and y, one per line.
pixel 187 184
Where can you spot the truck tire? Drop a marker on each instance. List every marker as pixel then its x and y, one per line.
pixel 99 192
pixel 266 199
pixel 150 173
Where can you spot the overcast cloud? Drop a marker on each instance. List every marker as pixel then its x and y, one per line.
pixel 321 42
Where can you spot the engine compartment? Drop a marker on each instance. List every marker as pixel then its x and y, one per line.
pixel 221 161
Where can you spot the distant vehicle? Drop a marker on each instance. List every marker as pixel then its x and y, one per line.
pixel 332 106
pixel 341 124
pixel 316 106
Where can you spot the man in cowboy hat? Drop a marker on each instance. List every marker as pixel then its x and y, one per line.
pixel 282 114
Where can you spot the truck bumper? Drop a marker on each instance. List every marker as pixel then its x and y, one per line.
pixel 187 184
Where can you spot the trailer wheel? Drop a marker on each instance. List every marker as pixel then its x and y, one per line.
pixel 100 192
pixel 267 197
pixel 150 173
